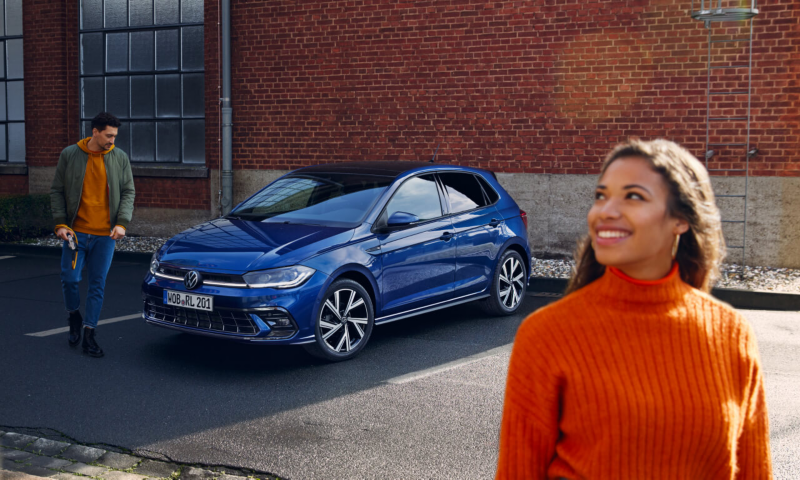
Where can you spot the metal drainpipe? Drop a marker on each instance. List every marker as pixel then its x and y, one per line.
pixel 227 112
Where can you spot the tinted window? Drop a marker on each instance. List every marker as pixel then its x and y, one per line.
pixel 417 196
pixel 464 191
pixel 488 189
pixel 322 199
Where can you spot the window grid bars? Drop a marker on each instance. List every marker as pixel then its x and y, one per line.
pixel 4 123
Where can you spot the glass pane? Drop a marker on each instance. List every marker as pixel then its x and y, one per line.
pixel 16 142
pixel 193 105
pixel 168 96
pixel 92 53
pixel 2 28
pixel 167 12
pixel 92 14
pixel 14 48
pixel 463 190
pixel 86 129
pixel 3 156
pixel 116 52
pixel 2 56
pixel 192 11
pixel 116 13
pixel 142 52
pixel 167 49
pixel 192 48
pixel 93 94
pixel 194 141
pixel 16 100
pixel 169 141
pixel 13 17
pixel 143 96
pixel 417 196
pixel 123 141
pixel 2 101
pixel 143 142
pixel 117 96
pixel 141 12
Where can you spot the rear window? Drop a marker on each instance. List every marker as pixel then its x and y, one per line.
pixel 491 193
pixel 464 191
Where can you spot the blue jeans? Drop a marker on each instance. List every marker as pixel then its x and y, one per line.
pixel 95 252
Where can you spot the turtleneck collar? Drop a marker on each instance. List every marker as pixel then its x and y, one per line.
pixel 619 286
pixel 84 145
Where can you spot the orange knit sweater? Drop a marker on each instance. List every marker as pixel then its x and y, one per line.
pixel 625 379
pixel 93 215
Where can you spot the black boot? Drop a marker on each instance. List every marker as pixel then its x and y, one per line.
pixel 75 322
pixel 90 346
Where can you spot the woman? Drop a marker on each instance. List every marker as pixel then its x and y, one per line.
pixel 638 372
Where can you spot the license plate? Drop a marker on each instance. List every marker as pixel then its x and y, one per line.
pixel 189 300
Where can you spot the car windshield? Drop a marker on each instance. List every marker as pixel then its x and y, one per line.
pixel 329 199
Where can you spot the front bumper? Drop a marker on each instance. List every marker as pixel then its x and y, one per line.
pixel 240 314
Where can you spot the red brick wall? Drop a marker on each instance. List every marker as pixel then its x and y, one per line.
pixel 51 78
pixel 188 193
pixel 542 87
pixel 13 185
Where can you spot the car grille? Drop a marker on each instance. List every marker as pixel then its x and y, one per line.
pixel 207 276
pixel 219 321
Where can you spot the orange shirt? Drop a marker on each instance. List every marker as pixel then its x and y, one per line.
pixel 94 216
pixel 626 379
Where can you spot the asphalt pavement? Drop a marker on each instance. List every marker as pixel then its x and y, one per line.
pixel 423 400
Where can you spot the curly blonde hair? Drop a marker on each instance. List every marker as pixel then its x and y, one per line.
pixel 691 198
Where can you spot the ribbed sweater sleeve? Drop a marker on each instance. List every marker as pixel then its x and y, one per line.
pixel 752 451
pixel 529 429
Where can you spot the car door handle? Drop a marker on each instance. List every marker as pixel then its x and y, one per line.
pixel 446 236
pixel 494 223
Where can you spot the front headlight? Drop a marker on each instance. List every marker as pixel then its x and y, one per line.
pixel 287 277
pixel 154 264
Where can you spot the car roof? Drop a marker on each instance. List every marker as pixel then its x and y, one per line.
pixel 381 168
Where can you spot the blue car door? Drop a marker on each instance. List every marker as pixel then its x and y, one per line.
pixel 476 225
pixel 418 261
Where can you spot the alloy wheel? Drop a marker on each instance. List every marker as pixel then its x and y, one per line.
pixel 511 286
pixel 343 320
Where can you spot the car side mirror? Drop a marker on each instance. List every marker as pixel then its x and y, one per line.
pixel 401 219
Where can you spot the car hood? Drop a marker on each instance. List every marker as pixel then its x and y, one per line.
pixel 242 245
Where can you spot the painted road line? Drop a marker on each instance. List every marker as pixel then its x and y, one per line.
pixel 410 377
pixel 7 256
pixel 56 331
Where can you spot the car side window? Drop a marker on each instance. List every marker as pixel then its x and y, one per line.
pixel 417 196
pixel 488 189
pixel 464 191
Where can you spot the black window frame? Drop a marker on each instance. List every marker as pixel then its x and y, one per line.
pixel 180 72
pixel 4 124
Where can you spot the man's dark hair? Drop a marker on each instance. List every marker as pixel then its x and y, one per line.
pixel 103 120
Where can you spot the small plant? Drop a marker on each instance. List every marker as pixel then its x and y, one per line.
pixel 24 216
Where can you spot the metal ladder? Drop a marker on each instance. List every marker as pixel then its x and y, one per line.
pixel 710 16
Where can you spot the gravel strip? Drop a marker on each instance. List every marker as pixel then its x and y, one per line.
pixel 755 278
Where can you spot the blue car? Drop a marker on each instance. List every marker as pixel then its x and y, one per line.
pixel 323 254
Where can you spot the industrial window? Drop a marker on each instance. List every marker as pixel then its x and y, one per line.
pixel 142 60
pixel 12 91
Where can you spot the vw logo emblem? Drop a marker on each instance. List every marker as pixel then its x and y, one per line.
pixel 192 280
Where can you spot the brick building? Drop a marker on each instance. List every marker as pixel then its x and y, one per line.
pixel 537 91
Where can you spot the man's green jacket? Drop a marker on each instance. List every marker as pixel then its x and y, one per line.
pixel 65 193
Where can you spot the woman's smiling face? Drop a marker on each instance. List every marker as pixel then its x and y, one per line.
pixel 629 223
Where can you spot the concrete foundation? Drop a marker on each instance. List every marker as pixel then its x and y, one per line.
pixel 40 179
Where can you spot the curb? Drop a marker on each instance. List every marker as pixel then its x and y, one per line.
pixel 42 251
pixel 744 299
pixel 28 457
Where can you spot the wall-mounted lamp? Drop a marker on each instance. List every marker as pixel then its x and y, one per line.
pixel 709 154
pixel 752 153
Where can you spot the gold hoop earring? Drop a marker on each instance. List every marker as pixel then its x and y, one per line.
pixel 675 246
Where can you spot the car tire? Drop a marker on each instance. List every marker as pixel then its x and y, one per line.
pixel 343 322
pixel 506 294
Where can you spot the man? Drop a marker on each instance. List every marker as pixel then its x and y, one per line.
pixel 92 202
